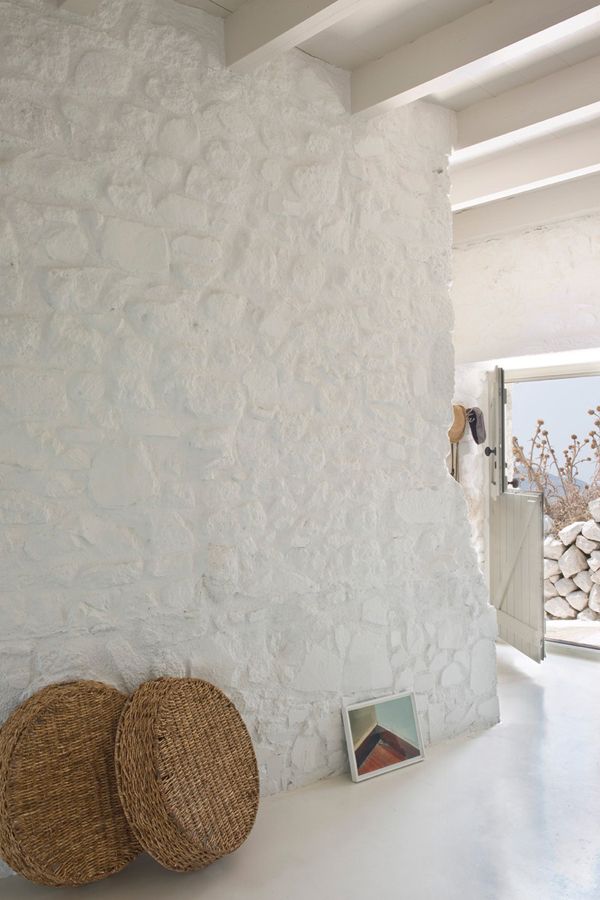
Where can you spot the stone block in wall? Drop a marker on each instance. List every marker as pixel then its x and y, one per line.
pixel 135 247
pixel 122 476
pixel 572 561
pixel 591 531
pixel 553 549
pixel 564 586
pixel 585 544
pixel 482 670
pixel 583 580
pixel 578 600
pixel 594 600
pixel 594 560
pixel 551 568
pixel 559 608
pixel 594 509
pixel 102 73
pixel 73 289
pixel 569 533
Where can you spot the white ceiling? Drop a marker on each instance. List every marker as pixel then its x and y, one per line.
pixel 528 68
pixel 381 26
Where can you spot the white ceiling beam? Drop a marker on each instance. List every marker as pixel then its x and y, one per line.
pixel 556 203
pixel 208 6
pixel 81 7
pixel 527 167
pixel 545 105
pixel 262 29
pixel 481 41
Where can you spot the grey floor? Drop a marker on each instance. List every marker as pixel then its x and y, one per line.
pixel 510 814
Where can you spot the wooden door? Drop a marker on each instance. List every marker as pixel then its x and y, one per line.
pixel 515 544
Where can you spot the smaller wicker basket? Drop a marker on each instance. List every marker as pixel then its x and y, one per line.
pixel 186 772
pixel 61 823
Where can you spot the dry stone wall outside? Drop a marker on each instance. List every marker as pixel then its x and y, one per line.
pixel 572 569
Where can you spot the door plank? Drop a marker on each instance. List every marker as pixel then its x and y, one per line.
pixel 516 570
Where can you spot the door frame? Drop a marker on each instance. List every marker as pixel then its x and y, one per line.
pixel 551 373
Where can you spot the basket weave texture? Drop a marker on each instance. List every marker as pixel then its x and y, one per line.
pixel 186 772
pixel 61 823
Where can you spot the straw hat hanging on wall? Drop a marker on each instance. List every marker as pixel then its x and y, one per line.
pixel 459 423
pixel 455 433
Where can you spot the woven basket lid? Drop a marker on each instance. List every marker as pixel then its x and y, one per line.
pixel 61 823
pixel 186 771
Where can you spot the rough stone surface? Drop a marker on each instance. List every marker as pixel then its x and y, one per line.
pixel 225 394
pixel 578 600
pixel 594 509
pixel 135 247
pixel 591 531
pixel 583 580
pixel 553 549
pixel 551 569
pixel 588 615
pixel 568 534
pixel 594 560
pixel 564 586
pixel 594 601
pixel 572 561
pixel 579 589
pixel 585 544
pixel 559 608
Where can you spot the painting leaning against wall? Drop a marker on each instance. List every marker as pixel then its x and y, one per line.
pixel 382 735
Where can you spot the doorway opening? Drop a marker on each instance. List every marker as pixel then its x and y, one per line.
pixel 552 448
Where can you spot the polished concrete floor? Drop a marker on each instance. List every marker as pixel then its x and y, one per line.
pixel 510 814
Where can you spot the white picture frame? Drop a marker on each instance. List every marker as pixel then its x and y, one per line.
pixel 382 738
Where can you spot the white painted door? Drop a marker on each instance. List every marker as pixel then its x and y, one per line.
pixel 515 544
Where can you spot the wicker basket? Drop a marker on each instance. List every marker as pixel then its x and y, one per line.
pixel 186 772
pixel 61 822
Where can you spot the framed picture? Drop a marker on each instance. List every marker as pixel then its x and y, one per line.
pixel 382 735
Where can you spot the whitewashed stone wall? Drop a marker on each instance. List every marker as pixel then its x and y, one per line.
pixel 470 389
pixel 528 292
pixel 225 383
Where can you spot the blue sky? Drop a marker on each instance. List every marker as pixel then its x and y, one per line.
pixel 562 403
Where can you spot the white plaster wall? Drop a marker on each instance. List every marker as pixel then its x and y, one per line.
pixel 226 374
pixel 471 389
pixel 528 292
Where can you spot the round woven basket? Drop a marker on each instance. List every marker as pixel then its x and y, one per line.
pixel 186 772
pixel 61 823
